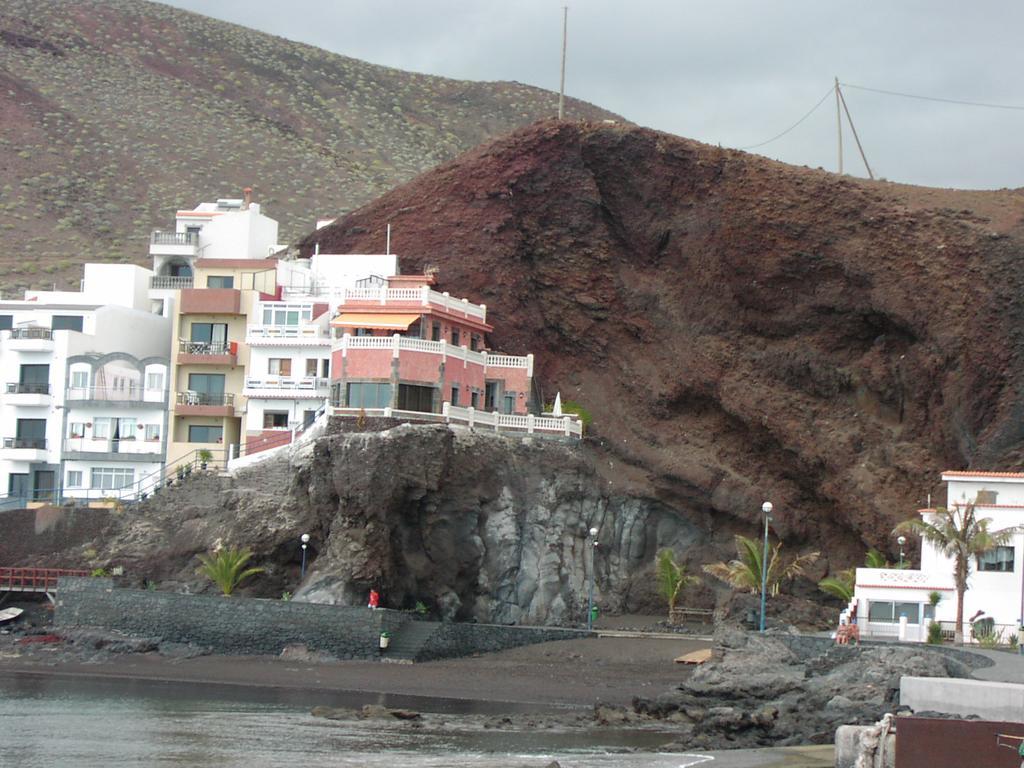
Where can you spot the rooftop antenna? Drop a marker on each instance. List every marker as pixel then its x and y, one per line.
pixel 387 247
pixel 839 127
pixel 565 36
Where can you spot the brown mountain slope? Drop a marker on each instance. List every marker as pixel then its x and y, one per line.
pixel 115 112
pixel 740 329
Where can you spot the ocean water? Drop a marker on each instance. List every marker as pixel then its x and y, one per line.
pixel 93 723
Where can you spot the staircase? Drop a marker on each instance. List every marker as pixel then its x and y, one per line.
pixel 408 641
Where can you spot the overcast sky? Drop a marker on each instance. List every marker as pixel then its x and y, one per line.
pixel 735 72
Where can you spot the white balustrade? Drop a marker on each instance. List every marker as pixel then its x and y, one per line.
pixel 414 295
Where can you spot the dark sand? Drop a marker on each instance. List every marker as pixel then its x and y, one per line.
pixel 575 673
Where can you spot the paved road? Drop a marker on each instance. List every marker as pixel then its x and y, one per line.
pixel 1008 668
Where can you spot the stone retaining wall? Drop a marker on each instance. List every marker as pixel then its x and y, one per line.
pixel 452 640
pixel 227 625
pixel 238 625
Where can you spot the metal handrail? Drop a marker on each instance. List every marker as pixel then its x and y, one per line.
pixel 190 397
pixel 204 347
pixel 36 443
pixel 28 388
pixel 31 333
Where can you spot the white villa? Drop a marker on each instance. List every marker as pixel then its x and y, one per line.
pixel 995 586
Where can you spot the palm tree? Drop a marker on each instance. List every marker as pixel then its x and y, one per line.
pixel 958 534
pixel 224 568
pixel 672 578
pixel 745 571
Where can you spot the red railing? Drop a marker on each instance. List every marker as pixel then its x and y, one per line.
pixel 34 579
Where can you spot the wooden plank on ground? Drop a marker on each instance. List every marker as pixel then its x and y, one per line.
pixel 695 657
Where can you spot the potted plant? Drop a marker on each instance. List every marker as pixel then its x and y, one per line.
pixel 205 457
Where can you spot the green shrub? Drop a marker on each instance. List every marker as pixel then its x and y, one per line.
pixel 934 633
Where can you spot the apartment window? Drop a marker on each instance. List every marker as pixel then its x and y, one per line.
pixel 66 323
pixel 455 395
pixel 124 429
pixel 220 281
pixel 455 337
pixel 369 394
pixel 474 399
pixel 79 379
pixel 112 478
pixel 74 478
pixel 474 342
pixel 153 432
pixel 885 612
pixel 155 381
pixel 101 429
pixel 435 332
pixel 210 333
pixel 415 398
pixel 76 429
pixel 996 559
pixel 210 384
pixel 279 366
pixel 275 419
pixel 325 369
pixel 311 367
pixel 508 404
pixel 286 315
pixel 6 322
pixel 364 331
pixel 203 433
pixel 34 378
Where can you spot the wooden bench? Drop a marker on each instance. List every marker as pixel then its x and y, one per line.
pixel 703 615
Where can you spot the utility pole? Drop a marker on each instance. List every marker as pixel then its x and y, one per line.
pixel 856 138
pixel 565 38
pixel 839 128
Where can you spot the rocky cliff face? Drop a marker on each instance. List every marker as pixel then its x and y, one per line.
pixel 475 525
pixel 741 330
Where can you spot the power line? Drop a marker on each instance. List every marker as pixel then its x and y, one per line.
pixel 934 98
pixel 794 125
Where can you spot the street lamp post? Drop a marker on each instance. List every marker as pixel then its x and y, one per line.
pixel 901 541
pixel 305 542
pixel 766 509
pixel 593 563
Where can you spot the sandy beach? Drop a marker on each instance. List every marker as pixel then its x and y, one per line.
pixel 570 673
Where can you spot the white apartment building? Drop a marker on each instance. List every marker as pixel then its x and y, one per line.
pixel 995 587
pixel 228 229
pixel 288 376
pixel 84 377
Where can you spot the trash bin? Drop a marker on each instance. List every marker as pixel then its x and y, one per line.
pixel 385 640
pixel 593 614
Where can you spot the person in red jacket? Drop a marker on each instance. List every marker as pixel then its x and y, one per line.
pixel 374 599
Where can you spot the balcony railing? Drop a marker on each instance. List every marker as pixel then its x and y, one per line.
pixel 189 397
pixel 270 332
pixel 204 347
pixel 28 388
pixel 174 238
pixel 32 443
pixel 114 395
pixel 397 342
pixel 305 383
pixel 170 282
pixel 31 333
pixel 423 297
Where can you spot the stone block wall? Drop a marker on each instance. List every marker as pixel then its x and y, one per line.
pixel 452 640
pixel 231 625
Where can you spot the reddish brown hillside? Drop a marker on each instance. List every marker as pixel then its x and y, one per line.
pixel 740 329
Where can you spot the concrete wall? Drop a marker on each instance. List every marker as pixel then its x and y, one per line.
pixel 985 699
pixel 452 640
